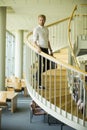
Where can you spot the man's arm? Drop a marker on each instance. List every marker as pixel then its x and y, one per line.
pixel 35 39
pixel 37 47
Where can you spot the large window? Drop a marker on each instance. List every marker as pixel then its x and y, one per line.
pixel 10 54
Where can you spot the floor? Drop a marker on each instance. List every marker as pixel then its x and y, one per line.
pixel 20 120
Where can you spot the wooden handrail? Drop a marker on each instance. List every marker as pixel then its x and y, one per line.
pixel 57 22
pixel 69 30
pixel 51 58
pixel 49 25
pixel 83 4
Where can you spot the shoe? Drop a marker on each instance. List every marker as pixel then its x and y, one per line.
pixel 41 87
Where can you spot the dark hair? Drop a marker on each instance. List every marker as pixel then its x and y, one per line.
pixel 43 16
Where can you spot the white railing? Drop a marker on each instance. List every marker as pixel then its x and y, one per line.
pixel 57 99
pixel 64 92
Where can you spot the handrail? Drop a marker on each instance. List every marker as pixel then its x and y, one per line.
pixel 83 4
pixel 51 58
pixel 59 21
pixel 69 30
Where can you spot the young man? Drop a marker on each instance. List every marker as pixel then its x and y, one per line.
pixel 41 42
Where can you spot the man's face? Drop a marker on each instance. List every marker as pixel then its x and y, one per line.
pixel 41 21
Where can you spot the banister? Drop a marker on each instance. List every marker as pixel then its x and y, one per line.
pixel 83 4
pixel 59 21
pixel 73 15
pixel 69 30
pixel 51 58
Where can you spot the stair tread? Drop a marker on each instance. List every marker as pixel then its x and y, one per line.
pixel 55 71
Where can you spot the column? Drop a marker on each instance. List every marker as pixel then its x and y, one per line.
pixel 19 54
pixel 2 46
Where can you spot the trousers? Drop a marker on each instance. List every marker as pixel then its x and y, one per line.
pixel 43 64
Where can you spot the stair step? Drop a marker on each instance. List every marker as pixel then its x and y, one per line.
pixel 51 79
pixel 65 106
pixel 52 92
pixel 61 99
pixel 52 72
pixel 53 84
pixel 54 77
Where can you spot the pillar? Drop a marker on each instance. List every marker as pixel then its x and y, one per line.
pixel 19 54
pixel 2 46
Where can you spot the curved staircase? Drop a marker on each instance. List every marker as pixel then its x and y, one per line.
pixel 58 98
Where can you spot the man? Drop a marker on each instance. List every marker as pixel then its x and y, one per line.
pixel 41 42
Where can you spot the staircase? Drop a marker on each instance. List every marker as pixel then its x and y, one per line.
pixel 57 97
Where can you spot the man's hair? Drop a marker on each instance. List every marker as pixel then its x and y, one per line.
pixel 43 16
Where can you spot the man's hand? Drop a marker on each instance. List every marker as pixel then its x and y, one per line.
pixel 38 49
pixel 51 53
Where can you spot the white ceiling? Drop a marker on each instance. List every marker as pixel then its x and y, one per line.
pixel 22 14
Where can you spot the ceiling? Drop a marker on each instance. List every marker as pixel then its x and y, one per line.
pixel 22 14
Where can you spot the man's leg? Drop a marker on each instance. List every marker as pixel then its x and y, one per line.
pixel 40 68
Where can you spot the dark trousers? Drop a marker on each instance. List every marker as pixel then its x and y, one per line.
pixel 43 64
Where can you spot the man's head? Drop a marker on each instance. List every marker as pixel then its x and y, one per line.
pixel 41 19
